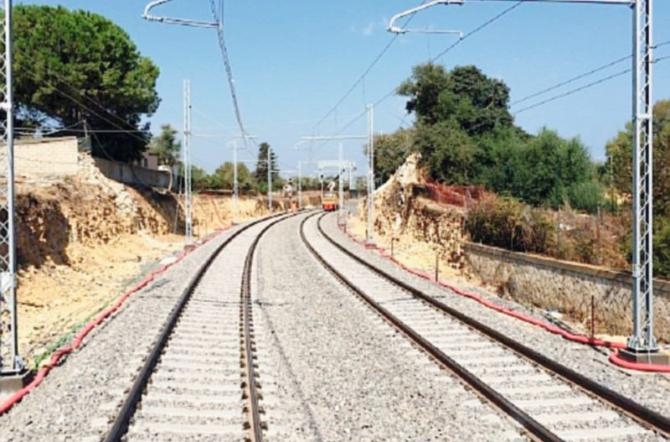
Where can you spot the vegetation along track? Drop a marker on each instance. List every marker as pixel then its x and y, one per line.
pixel 551 402
pixel 189 386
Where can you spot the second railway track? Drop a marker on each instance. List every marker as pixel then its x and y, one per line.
pixel 200 380
pixel 548 401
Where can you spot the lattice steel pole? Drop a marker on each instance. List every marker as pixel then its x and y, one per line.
pixel 188 201
pixel 371 174
pixel 235 185
pixel 642 345
pixel 642 338
pixel 10 361
pixel 269 161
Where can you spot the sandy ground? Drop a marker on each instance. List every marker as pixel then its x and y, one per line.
pixel 412 253
pixel 56 300
pixel 420 255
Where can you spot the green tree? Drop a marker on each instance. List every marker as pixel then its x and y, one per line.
pixel 223 177
pixel 619 153
pixel 465 95
pixel 497 158
pixel 166 146
pixel 619 162
pixel 548 166
pixel 261 172
pixel 76 66
pixel 390 152
pixel 448 150
pixel 199 178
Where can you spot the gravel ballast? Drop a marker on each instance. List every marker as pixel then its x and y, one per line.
pixel 651 390
pixel 77 399
pixel 340 372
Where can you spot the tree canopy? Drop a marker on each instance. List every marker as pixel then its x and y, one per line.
pixel 390 152
pixel 261 172
pixel 223 177
pixel 466 135
pixel 73 67
pixel 619 167
pixel 464 96
pixel 166 146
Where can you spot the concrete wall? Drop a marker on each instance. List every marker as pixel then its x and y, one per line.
pixel 568 287
pixel 56 157
pixel 135 175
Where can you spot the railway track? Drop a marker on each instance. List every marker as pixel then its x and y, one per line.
pixel 199 381
pixel 550 402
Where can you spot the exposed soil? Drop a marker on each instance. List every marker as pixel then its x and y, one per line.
pixel 423 226
pixel 83 240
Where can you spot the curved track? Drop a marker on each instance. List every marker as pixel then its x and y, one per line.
pixel 549 401
pixel 203 360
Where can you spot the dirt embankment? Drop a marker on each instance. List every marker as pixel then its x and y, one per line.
pixel 425 234
pixel 420 231
pixel 82 240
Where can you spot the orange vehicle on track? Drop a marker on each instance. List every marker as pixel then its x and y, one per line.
pixel 329 203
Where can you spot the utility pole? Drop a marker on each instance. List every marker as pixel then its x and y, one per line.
pixel 642 339
pixel 369 239
pixel 12 368
pixel 235 185
pixel 642 345
pixel 269 160
pixel 187 163
pixel 187 106
pixel 340 184
pixel 340 137
pixel 299 184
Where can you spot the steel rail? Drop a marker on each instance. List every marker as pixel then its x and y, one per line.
pixel 638 412
pixel 256 426
pixel 535 430
pixel 134 396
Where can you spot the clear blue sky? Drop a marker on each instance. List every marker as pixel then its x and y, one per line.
pixel 293 60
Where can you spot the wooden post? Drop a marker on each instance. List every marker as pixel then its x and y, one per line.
pixel 593 316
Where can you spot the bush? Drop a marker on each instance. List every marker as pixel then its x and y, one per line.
pixel 508 223
pixel 587 196
pixel 662 248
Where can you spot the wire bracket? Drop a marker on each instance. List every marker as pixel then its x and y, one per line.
pixel 175 21
pixel 392 27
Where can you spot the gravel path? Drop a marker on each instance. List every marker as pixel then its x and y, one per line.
pixel 652 390
pixel 339 372
pixel 75 401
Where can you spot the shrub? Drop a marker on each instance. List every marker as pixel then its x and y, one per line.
pixel 508 223
pixel 587 196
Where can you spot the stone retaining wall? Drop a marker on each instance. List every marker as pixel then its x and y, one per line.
pixel 134 175
pixel 52 157
pixel 568 287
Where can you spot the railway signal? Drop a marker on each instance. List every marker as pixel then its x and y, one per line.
pixel 371 165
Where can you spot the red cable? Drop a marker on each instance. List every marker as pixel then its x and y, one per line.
pixel 652 368
pixel 58 355
pixel 582 339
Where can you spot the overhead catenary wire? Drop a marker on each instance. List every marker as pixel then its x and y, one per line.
pixel 583 75
pixel 465 36
pixel 586 86
pixel 218 15
pixel 365 73
pixel 91 100
pixel 84 106
pixel 574 91
pixel 571 80
pixel 479 28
